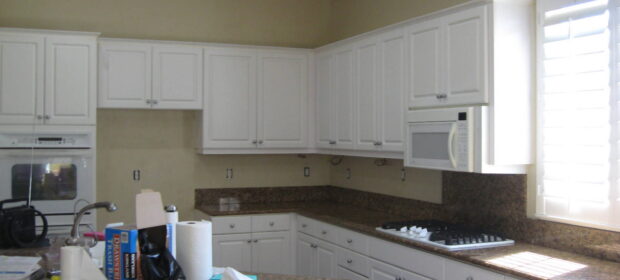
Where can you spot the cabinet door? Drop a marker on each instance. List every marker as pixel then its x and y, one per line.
pixel 344 273
pixel 391 95
pixel 466 56
pixel 229 115
pixel 282 100
pixel 460 271
pixel 70 83
pixel 233 250
pixel 343 94
pixel 21 78
pixel 382 271
pixel 306 256
pixel 124 75
pixel 324 106
pixel 177 77
pixel 326 260
pixel 271 252
pixel 366 53
pixel 425 50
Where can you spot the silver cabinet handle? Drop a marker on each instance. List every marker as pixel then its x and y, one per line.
pixel 349 261
pixel 260 142
pixel 378 143
pixel 47 117
pixel 149 101
pixel 255 240
pixel 232 225
pixel 39 117
pixel 254 141
pixel 332 142
pixel 349 241
pixel 271 224
pixel 155 101
pixel 249 241
pixel 313 245
pixel 442 96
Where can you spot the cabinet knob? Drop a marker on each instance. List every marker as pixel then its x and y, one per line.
pixel 442 96
pixel 271 224
pixel 349 241
pixel 304 225
pixel 47 117
pixel 39 117
pixel 255 240
pixel 470 278
pixel 332 142
pixel 324 232
pixel 254 141
pixel 378 143
pixel 260 142
pixel 313 245
pixel 349 261
pixel 155 101
pixel 249 241
pixel 232 225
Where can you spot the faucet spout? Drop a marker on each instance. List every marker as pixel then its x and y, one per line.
pixel 75 233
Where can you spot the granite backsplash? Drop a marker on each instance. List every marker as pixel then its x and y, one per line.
pixel 495 203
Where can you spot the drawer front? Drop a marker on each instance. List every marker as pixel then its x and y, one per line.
pixel 344 273
pixel 327 232
pixel 353 241
pixel 232 224
pixel 461 271
pixel 419 262
pixel 353 261
pixel 307 225
pixel 279 222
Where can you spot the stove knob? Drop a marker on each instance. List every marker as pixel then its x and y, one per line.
pixel 403 229
pixel 423 233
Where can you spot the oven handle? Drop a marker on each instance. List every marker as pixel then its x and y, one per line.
pixel 451 145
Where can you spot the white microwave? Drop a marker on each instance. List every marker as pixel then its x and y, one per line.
pixel 441 139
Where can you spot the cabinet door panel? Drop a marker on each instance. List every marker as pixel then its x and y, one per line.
pixel 21 78
pixel 306 256
pixel 324 101
pixel 382 271
pixel 366 84
pixel 70 88
pixel 177 77
pixel 425 49
pixel 124 75
pixel 282 100
pixel 233 250
pixel 344 98
pixel 271 252
pixel 327 261
pixel 230 106
pixel 392 90
pixel 466 57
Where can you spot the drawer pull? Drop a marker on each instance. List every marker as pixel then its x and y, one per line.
pixel 349 241
pixel 324 232
pixel 232 225
pixel 470 278
pixel 271 224
pixel 349 261
pixel 313 246
pixel 255 240
pixel 249 241
pixel 303 225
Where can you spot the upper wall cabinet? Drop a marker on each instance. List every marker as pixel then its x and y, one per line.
pixel 136 74
pixel 448 59
pixel 256 100
pixel 47 77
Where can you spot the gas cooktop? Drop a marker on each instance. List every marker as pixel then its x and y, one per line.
pixel 451 237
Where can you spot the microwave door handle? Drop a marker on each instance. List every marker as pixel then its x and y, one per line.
pixel 451 145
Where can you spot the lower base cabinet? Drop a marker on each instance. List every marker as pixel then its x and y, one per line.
pixel 265 252
pixel 315 258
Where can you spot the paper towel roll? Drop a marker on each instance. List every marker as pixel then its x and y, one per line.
pixel 71 262
pixel 194 249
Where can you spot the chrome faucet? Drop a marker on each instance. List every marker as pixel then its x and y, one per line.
pixel 75 239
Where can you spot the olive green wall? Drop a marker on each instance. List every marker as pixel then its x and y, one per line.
pixel 293 23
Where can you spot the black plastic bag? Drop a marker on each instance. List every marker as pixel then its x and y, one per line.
pixel 156 262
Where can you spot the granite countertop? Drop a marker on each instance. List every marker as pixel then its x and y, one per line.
pixel 365 221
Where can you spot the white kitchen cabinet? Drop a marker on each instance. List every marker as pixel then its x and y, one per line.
pixel 324 105
pixel 382 271
pixel 177 77
pixel 449 59
pixel 146 75
pixel 315 258
pixel 22 77
pixel 461 271
pixel 233 250
pixel 282 99
pixel 254 100
pixel 229 115
pixel 367 109
pixel 271 252
pixel 48 78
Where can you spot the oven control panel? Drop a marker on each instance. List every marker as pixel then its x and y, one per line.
pixel 42 141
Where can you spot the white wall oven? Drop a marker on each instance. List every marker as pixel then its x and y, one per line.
pixel 53 168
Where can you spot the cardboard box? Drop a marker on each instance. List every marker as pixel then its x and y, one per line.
pixel 121 253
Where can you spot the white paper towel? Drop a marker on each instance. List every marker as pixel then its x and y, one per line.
pixel 194 249
pixel 76 264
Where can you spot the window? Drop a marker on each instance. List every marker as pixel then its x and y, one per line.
pixel 578 115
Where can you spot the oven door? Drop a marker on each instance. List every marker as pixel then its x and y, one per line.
pixel 432 145
pixel 60 179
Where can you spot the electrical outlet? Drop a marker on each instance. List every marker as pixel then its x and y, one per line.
pixel 136 175
pixel 306 171
pixel 348 175
pixel 229 173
